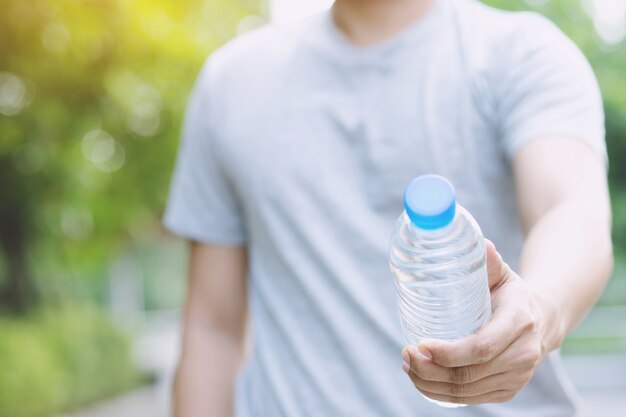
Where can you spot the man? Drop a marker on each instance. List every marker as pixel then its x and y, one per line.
pixel 297 147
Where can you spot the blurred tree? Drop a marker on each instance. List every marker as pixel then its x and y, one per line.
pixel 91 95
pixel 18 291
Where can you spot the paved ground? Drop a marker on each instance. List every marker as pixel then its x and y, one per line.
pixel 601 382
pixel 144 402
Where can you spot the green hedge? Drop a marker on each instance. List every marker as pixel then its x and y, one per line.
pixel 58 359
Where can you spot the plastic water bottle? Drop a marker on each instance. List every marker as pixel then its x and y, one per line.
pixel 437 256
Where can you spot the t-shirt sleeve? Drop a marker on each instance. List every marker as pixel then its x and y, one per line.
pixel 545 86
pixel 202 204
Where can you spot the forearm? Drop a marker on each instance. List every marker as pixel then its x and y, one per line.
pixel 206 374
pixel 567 260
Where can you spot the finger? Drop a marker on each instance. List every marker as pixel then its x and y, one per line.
pixel 511 380
pixel 496 268
pixel 481 347
pixel 429 370
pixel 499 396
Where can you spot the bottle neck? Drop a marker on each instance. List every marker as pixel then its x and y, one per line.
pixel 433 234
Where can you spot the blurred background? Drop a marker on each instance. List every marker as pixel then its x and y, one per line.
pixel 92 93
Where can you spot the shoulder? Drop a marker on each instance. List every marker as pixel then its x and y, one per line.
pixel 268 42
pixel 508 51
pixel 504 23
pixel 510 36
pixel 251 56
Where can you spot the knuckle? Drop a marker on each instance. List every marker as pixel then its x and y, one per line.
pixel 419 367
pixel 505 396
pixel 485 350
pixel 459 400
pixel 532 355
pixel 431 395
pixel 524 378
pixel 525 321
pixel 460 375
pixel 528 375
pixel 416 380
pixel 422 369
pixel 444 358
pixel 536 354
pixel 518 382
pixel 418 385
pixel 458 390
pixel 424 393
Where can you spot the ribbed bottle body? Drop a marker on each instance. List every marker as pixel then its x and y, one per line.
pixel 440 278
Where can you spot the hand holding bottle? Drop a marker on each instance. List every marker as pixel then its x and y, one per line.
pixel 496 362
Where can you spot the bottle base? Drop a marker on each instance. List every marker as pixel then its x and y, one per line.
pixel 444 404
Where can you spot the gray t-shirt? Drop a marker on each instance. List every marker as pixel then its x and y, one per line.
pixel 299 145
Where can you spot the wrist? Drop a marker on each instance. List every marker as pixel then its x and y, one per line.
pixel 550 320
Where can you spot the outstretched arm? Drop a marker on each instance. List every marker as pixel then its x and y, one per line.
pixel 565 209
pixel 566 260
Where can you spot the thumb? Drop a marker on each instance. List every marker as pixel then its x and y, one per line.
pixel 497 269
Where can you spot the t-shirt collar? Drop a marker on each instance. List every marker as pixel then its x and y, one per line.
pixel 326 38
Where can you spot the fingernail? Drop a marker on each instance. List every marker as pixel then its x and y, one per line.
pixel 424 351
pixel 406 361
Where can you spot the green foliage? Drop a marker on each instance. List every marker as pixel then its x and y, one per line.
pixel 60 358
pixel 30 372
pixel 597 345
pixel 94 95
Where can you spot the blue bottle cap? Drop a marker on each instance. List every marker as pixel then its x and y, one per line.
pixel 430 201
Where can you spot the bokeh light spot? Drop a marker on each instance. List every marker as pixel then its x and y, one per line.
pixel 610 31
pixel 13 94
pixel 103 151
pixel 145 119
pixel 76 222
pixel 56 38
pixel 609 20
pixel 98 146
